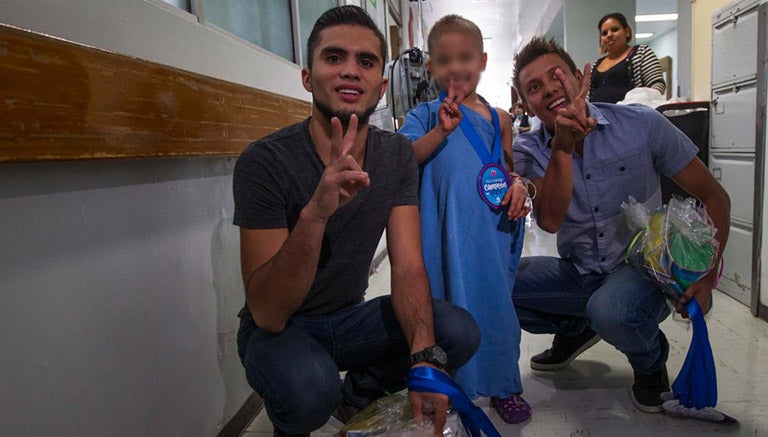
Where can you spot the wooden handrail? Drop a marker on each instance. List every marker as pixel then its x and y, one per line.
pixel 61 101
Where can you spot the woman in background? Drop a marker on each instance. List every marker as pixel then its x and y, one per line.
pixel 623 67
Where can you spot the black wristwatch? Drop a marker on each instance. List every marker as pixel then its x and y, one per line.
pixel 434 355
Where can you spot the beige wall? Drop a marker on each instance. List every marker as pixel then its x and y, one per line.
pixel 701 42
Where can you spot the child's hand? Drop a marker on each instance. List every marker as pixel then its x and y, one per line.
pixel 517 199
pixel 449 113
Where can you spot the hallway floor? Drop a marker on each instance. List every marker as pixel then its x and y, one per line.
pixel 591 396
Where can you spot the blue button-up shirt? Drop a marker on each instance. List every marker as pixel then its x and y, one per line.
pixel 622 157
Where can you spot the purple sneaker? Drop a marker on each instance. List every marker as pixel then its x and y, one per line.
pixel 512 409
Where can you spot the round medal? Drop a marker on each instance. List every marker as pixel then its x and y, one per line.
pixel 492 184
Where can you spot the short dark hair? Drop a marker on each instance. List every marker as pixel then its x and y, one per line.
pixel 537 47
pixel 618 17
pixel 454 22
pixel 349 15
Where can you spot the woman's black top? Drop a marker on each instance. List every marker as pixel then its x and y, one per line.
pixel 611 85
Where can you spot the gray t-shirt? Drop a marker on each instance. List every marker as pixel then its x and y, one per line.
pixel 275 178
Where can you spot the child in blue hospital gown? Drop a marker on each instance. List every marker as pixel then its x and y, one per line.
pixel 472 210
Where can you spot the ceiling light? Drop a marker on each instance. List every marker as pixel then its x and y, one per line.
pixel 655 17
pixel 643 35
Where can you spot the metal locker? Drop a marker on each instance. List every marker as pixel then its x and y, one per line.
pixel 733 118
pixel 734 42
pixel 737 268
pixel 736 173
pixel 737 126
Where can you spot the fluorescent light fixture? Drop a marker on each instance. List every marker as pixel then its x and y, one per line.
pixel 655 17
pixel 643 35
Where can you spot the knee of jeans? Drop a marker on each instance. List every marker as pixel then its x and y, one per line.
pixel 605 319
pixel 305 404
pixel 457 333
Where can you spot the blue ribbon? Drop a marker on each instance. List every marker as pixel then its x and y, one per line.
pixel 474 138
pixel 428 380
pixel 696 384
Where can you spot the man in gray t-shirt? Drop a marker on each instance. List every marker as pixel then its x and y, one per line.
pixel 312 201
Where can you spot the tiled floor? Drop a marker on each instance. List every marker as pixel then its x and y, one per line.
pixel 591 397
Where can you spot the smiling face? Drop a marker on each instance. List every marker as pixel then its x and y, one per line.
pixel 456 55
pixel 614 37
pixel 542 91
pixel 346 76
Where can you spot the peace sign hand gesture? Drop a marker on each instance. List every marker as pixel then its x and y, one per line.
pixel 573 122
pixel 343 178
pixel 449 113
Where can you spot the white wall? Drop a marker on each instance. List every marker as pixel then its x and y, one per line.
pixel 581 18
pixel 666 45
pixel 119 279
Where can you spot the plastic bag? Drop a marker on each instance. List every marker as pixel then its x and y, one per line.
pixel 392 416
pixel 675 243
pixel 643 96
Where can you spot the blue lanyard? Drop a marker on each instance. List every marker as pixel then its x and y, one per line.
pixel 474 138
pixel 428 380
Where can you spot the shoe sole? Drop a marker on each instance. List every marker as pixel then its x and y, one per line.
pixel 564 364
pixel 646 408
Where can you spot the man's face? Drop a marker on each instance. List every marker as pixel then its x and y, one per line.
pixel 542 91
pixel 346 76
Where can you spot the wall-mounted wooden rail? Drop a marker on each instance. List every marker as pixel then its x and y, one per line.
pixel 63 101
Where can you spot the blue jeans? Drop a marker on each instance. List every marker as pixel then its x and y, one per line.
pixel 624 307
pixel 296 371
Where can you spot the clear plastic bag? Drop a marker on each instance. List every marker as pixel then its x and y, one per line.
pixel 392 416
pixel 675 243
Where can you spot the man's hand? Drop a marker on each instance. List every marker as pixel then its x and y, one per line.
pixel 430 403
pixel 700 290
pixel 517 199
pixel 343 178
pixel 573 122
pixel 449 113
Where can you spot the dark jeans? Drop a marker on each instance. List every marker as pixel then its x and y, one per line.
pixel 625 307
pixel 296 371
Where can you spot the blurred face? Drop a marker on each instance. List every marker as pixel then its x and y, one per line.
pixel 614 38
pixel 518 110
pixel 456 55
pixel 346 76
pixel 542 91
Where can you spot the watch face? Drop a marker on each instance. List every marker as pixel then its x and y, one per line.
pixel 439 355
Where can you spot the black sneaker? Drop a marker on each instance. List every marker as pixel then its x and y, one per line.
pixel 564 350
pixel 647 390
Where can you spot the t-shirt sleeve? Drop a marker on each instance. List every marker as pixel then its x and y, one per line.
pixel 259 201
pixel 417 123
pixel 408 191
pixel 671 149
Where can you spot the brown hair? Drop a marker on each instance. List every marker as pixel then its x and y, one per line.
pixel 454 23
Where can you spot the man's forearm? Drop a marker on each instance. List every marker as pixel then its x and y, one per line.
pixel 413 307
pixel 276 289
pixel 556 192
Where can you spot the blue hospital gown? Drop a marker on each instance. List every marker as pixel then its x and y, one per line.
pixel 471 252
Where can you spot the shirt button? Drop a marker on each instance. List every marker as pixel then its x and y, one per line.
pixel 601 235
pixel 602 260
pixel 596 209
pixel 622 168
pixel 588 177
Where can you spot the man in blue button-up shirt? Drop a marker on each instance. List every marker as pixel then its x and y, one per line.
pixel 584 162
